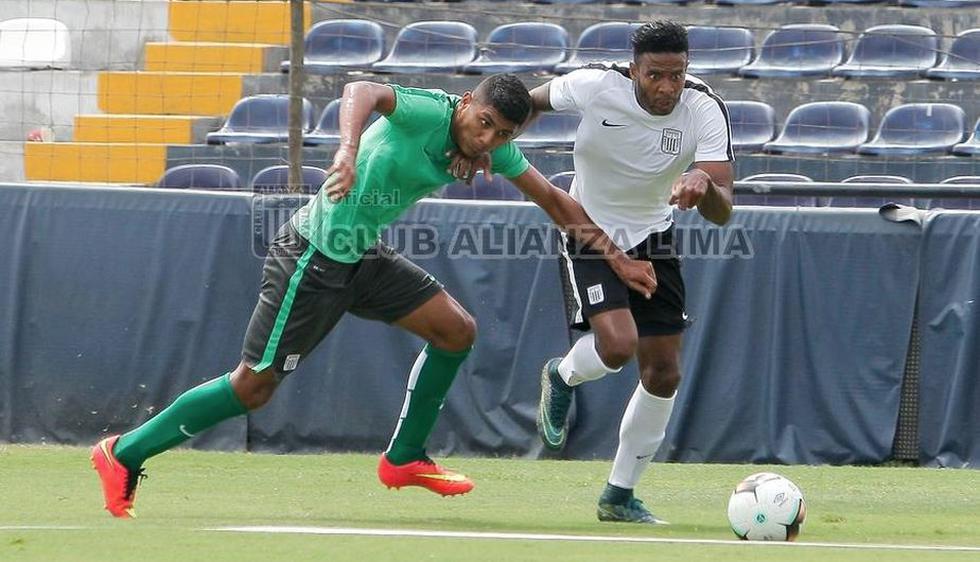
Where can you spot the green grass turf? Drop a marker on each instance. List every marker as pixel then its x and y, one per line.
pixel 190 491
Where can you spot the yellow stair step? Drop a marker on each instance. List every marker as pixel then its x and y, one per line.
pixel 142 129
pixel 192 56
pixel 169 93
pixel 94 162
pixel 233 22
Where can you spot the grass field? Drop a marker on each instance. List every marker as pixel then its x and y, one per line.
pixel 189 493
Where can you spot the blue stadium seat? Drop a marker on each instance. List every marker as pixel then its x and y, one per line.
pixel 776 200
pixel 822 128
pixel 430 46
pixel 746 2
pixel 200 176
pixel 497 189
pixel 940 3
pixel 798 50
pixel 719 50
pixel 918 128
pixel 872 178
pixel 327 129
pixel 275 179
pixel 603 42
pixel 562 180
pixel 962 180
pixel 551 130
pixel 869 200
pixel 891 51
pixel 522 47
pixel 259 120
pixel 336 46
pixel 972 146
pixel 962 62
pixel 753 124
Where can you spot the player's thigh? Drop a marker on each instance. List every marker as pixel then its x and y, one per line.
pixel 303 296
pixel 664 314
pixel 402 293
pixel 591 286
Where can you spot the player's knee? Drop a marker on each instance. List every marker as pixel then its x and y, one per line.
pixel 253 389
pixel 616 351
pixel 457 335
pixel 661 379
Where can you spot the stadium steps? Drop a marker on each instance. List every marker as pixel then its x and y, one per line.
pixel 129 128
pixel 186 86
pixel 94 162
pixel 243 58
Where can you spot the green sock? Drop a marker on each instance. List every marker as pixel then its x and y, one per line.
pixel 428 383
pixel 191 413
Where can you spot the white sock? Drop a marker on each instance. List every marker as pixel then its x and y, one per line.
pixel 640 435
pixel 582 363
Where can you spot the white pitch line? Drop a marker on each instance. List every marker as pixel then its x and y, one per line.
pixel 40 528
pixel 342 531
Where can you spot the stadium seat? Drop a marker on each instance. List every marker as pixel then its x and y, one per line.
pixel 563 180
pixel 551 130
pixel 275 179
pixel 260 119
pixel 959 180
pixel 200 176
pixel 497 189
pixel 918 128
pixel 746 2
pixel 962 61
pixel 876 179
pixel 940 3
pixel 798 50
pixel 891 51
pixel 34 43
pixel 327 129
pixel 719 50
pixel 776 200
pixel 336 46
pixel 430 46
pixel 607 42
pixel 753 124
pixel 869 200
pixel 521 47
pixel 972 146
pixel 822 128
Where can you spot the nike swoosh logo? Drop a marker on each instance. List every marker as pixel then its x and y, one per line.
pixel 641 457
pixel 183 429
pixel 606 123
pixel 446 477
pixel 552 436
pixel 106 453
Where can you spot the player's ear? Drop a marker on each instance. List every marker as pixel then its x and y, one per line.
pixel 466 100
pixel 632 69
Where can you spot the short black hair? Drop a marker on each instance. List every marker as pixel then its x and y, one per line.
pixel 661 36
pixel 507 94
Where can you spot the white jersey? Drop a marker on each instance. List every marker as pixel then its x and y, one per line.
pixel 626 159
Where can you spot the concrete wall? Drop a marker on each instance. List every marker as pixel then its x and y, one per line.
pixel 46 98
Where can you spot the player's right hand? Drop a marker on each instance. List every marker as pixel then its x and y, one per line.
pixel 341 175
pixel 638 276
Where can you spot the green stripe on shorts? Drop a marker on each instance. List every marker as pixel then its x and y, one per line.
pixel 287 304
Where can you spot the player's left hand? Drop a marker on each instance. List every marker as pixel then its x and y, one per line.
pixel 463 168
pixel 688 189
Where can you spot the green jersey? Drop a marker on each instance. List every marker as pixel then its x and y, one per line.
pixel 402 158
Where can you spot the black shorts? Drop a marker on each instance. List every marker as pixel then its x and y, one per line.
pixel 304 294
pixel 592 287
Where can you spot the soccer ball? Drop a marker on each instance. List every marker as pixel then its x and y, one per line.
pixel 766 507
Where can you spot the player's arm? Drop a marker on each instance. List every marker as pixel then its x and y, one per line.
pixel 709 187
pixel 572 218
pixel 359 100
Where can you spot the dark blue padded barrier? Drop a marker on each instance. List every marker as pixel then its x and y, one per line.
pixel 117 300
pixel 949 325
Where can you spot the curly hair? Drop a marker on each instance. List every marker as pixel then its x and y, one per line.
pixel 661 36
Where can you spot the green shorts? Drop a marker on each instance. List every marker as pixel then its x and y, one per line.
pixel 304 294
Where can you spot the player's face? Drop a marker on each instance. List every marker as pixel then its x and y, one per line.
pixel 479 128
pixel 658 79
